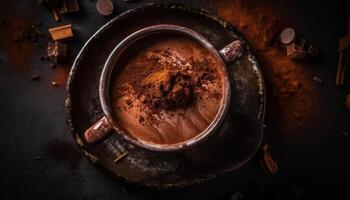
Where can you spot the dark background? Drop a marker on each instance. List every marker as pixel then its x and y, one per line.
pixel 33 119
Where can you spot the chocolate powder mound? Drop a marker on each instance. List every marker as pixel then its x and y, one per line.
pixel 167 89
pixel 162 86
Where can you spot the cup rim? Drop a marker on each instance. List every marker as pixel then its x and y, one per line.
pixel 104 87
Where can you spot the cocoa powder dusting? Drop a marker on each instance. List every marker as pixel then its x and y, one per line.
pixel 289 81
pixel 20 38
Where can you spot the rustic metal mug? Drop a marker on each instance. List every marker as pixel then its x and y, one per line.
pixel 107 124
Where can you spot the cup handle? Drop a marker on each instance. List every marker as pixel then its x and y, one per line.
pixel 233 51
pixel 98 131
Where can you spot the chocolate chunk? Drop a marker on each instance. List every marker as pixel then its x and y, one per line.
pixel 68 6
pixel 105 7
pixel 72 5
pixel 35 77
pixel 61 32
pixel 63 8
pixel 57 51
pixel 317 79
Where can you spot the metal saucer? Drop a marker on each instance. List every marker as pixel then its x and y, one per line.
pixel 166 170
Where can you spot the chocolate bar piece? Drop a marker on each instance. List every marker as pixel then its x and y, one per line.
pixel 61 32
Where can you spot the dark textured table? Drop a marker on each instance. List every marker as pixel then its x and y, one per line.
pixel 40 160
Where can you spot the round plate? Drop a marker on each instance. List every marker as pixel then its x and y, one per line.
pixel 166 170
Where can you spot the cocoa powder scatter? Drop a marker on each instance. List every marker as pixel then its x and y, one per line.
pixel 20 38
pixel 261 22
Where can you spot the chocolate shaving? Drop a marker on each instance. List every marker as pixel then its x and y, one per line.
pixel 269 166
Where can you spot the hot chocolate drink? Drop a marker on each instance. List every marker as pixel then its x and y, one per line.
pixel 167 92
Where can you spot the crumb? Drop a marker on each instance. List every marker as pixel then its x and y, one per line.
pixel 53 83
pixel 35 77
pixel 141 119
pixel 129 102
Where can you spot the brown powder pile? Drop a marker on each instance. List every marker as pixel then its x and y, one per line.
pixel 167 89
pixel 172 85
pixel 289 82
